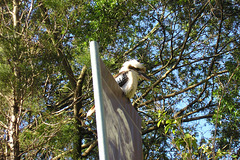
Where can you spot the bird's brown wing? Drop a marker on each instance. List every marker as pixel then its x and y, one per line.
pixel 121 78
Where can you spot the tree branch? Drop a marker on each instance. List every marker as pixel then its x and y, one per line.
pixel 197 110
pixel 91 147
pixel 197 118
pixel 179 58
pixel 193 102
pixel 62 154
pixel 142 40
pixel 182 91
pixel 149 129
pixel 3 125
pixel 54 38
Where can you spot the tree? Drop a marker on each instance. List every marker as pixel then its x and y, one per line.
pixel 190 49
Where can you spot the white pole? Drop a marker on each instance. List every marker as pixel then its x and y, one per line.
pixel 100 118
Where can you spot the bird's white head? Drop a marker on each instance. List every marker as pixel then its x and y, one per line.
pixel 134 65
pixel 130 64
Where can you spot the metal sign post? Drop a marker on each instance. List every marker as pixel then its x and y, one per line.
pixel 100 118
pixel 118 123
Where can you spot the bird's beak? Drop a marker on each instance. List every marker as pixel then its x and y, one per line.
pixel 144 76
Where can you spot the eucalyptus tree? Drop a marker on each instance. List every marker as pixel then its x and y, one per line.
pixel 190 49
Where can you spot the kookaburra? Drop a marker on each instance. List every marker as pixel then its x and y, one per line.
pixel 127 79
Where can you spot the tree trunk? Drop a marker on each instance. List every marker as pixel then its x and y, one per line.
pixel 77 151
pixel 13 132
pixel 16 101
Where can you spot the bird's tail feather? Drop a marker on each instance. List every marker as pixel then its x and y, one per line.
pixel 91 111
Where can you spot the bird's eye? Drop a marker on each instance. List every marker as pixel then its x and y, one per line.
pixel 136 69
pixel 131 67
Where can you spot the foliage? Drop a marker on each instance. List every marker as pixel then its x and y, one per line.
pixel 190 49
